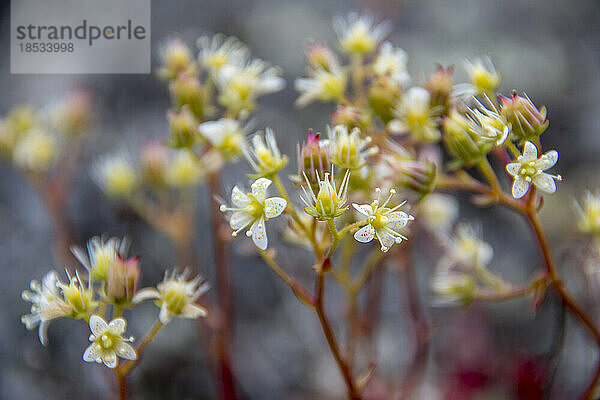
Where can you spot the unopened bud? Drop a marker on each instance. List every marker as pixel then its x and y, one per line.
pixel 122 280
pixel 313 161
pixel 153 162
pixel 187 90
pixel 527 122
pixel 439 85
pixel 384 94
pixel 183 127
pixel 461 143
pixel 320 56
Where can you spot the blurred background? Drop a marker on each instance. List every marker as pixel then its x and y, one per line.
pixel 551 49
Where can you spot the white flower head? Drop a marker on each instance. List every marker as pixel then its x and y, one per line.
pixel 453 288
pixel 176 57
pixel 349 150
pixel 391 62
pixel 184 169
pixel 416 116
pixel 383 222
pixel 176 296
pixel 358 34
pixel 253 210
pixel 488 123
pixel 529 169
pixel 116 175
pixel 322 85
pixel 483 75
pixel 47 304
pixel 329 201
pixel 589 213
pixel 438 212
pixel 101 254
pixel 219 51
pixel 36 151
pixel 466 248
pixel 263 154
pixel 226 135
pixel 108 342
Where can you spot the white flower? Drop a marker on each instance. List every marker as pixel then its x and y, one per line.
pixel 529 169
pixel 116 175
pixel 176 58
pixel 225 135
pixel 263 155
pixel 415 115
pixel 36 151
pixel 219 51
pixel 357 33
pixel 176 296
pixel 391 62
pixel 100 255
pixel 383 223
pixel 47 304
pixel 488 124
pixel 184 169
pixel 108 342
pixel 437 212
pixel 329 202
pixel 254 209
pixel 453 288
pixel 348 150
pixel 467 248
pixel 322 85
pixel 483 75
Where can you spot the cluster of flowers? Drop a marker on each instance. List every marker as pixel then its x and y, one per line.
pixel 108 285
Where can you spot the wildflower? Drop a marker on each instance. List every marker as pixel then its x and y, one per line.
pixel 116 175
pixel 101 255
pixel 176 296
pixel 357 33
pixel 254 209
pixel 488 124
pixel 528 169
pixel 383 223
pixel 384 94
pixel 184 170
pixel 467 248
pixel 225 135
pixel 186 89
pixel 527 122
pixel 240 85
pixel 440 87
pixel 319 56
pixel 322 85
pixel 36 151
pixel 176 58
pixel 313 160
pixel 462 142
pixel 220 50
pixel 391 62
pixel 78 295
pixel 108 342
pixel 264 155
pixel 122 280
pixel 415 115
pixel 183 127
pixel 400 166
pixel 329 202
pixel 453 288
pixel 47 304
pixel 483 75
pixel 438 212
pixel 349 150
pixel 589 213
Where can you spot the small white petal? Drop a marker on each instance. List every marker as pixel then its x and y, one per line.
pixel 365 234
pixel 529 151
pixel 97 325
pixel 545 182
pixel 513 168
pixel 397 220
pixel 91 354
pixel 193 311
pixel 125 350
pixel 547 160
pixel 386 239
pixel 239 198
pixel 240 219
pixel 43 332
pixel 259 234
pixel 519 188
pixel 365 209
pixel 274 206
pixel 145 294
pixel 110 359
pixel 164 316
pixel 117 326
pixel 259 188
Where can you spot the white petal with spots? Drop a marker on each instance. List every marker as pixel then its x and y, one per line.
pixel 91 354
pixel 547 160
pixel 124 350
pixel 240 219
pixel 529 152
pixel 274 206
pixel 519 188
pixel 398 220
pixel 110 359
pixel 239 198
pixel 365 209
pixel 117 326
pixel 545 182
pixel 365 234
pixel 386 239
pixel 259 234
pixel 259 188
pixel 513 168
pixel 97 325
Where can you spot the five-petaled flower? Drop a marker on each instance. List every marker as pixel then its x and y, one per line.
pixel 382 222
pixel 254 209
pixel 529 169
pixel 108 342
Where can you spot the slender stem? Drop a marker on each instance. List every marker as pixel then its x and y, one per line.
pixel 224 292
pixel 126 367
pixel 122 382
pixel 298 289
pixel 513 149
pixel 591 389
pixel 487 170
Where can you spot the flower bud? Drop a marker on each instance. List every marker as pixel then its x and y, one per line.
pixel 461 143
pixel 153 162
pixel 320 56
pixel 483 75
pixel 183 127
pixel 122 280
pixel 187 90
pixel 74 114
pixel 78 296
pixel 184 170
pixel 439 85
pixel 350 116
pixel 313 160
pixel 384 94
pixel 176 58
pixel 589 214
pixel 527 122
pixel 454 288
pixel 418 176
